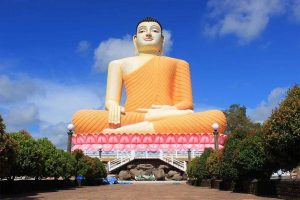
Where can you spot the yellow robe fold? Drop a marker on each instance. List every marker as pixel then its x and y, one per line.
pixel 160 81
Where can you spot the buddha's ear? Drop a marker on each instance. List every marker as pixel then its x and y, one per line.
pixel 162 44
pixel 135 45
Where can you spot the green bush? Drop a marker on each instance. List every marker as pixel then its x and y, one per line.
pixel 228 172
pixel 282 132
pixel 90 168
pixel 213 163
pixel 197 168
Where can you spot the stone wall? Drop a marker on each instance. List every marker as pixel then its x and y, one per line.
pixel 149 167
pixel 288 188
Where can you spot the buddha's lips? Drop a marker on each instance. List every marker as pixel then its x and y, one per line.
pixel 148 39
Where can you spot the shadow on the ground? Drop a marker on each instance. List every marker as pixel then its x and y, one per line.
pixel 28 189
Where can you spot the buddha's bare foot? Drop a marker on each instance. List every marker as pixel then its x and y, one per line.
pixel 142 127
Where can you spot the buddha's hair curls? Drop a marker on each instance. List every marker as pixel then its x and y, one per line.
pixel 149 19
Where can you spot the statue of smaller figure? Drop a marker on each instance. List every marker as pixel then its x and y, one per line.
pixel 158 93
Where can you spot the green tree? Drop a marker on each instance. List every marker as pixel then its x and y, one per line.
pixel 251 160
pixel 29 158
pixel 78 155
pixel 68 165
pixel 7 154
pixel 238 122
pixel 50 158
pixel 7 151
pixel 282 132
pixel 2 125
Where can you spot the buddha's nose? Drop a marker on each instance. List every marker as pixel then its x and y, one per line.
pixel 148 35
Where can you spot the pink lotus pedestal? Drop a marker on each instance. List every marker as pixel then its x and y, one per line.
pixel 145 142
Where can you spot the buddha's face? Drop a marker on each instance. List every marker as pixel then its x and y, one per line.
pixel 148 38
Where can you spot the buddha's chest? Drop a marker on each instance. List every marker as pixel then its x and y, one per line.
pixel 150 70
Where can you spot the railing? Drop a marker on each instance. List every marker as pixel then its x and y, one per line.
pixel 142 154
pixel 114 164
pixel 124 159
pixel 174 162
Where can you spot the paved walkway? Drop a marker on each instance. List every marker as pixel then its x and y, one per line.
pixel 143 192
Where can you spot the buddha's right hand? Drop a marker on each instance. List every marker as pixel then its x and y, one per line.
pixel 114 115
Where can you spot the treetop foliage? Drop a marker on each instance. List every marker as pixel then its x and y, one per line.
pixel 282 131
pixel 239 123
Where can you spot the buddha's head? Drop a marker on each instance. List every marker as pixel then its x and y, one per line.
pixel 149 37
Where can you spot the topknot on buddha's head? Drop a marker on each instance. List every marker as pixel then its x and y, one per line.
pixel 149 19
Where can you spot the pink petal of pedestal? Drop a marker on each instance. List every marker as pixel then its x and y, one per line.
pixel 102 139
pixel 170 139
pixel 147 139
pixel 182 139
pixel 159 139
pixel 125 139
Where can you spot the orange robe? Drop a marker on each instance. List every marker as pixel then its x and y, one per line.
pixel 160 81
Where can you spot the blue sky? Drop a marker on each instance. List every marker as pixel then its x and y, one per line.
pixel 53 54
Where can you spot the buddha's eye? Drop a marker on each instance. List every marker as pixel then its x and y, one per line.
pixel 155 31
pixel 141 30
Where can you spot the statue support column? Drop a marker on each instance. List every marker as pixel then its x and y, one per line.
pixel 215 126
pixel 189 156
pixel 100 153
pixel 70 133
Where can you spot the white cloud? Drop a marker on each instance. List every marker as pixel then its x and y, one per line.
pixel 116 48
pixel 245 19
pixel 49 112
pixel 57 133
pixel 17 90
pixel 264 109
pixel 61 101
pixel 168 43
pixel 296 10
pixel 112 49
pixel 20 117
pixel 83 46
pixel 200 107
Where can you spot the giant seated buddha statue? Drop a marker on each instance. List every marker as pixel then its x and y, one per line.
pixel 158 93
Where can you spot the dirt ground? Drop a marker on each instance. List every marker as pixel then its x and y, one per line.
pixel 141 192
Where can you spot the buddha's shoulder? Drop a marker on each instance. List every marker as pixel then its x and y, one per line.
pixel 123 60
pixel 116 62
pixel 174 60
pixel 131 59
